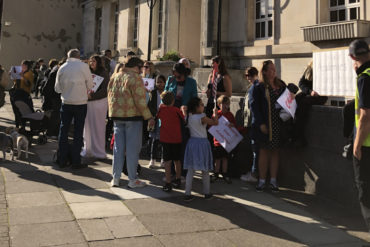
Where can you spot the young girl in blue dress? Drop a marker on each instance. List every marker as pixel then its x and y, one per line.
pixel 198 153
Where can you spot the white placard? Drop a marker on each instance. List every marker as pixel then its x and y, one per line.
pixel 287 101
pixel 228 137
pixel 149 83
pixel 97 81
pixel 333 73
pixel 15 72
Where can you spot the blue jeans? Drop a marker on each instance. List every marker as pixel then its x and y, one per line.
pixel 127 140
pixel 67 113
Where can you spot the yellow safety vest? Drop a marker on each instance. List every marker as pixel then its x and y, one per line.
pixel 357 110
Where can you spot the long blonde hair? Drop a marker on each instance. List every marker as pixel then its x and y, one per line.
pixel 308 72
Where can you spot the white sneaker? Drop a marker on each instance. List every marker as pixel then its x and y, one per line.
pixel 152 164
pixel 162 163
pixel 114 182
pixel 249 178
pixel 136 184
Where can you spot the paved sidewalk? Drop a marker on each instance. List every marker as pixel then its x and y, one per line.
pixel 48 206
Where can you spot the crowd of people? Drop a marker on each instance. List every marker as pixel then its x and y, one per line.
pixel 174 120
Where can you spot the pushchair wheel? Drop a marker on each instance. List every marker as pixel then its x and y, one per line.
pixel 42 139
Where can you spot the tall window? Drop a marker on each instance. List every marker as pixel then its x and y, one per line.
pixel 116 16
pixel 263 19
pixel 344 10
pixel 98 21
pixel 160 23
pixel 1 14
pixel 136 22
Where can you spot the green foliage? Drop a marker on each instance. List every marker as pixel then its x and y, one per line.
pixel 171 56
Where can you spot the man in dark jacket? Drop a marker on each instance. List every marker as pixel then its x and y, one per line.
pixel 360 53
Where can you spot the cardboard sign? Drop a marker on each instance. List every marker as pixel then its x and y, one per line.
pixel 149 83
pixel 15 72
pixel 228 137
pixel 287 101
pixel 97 81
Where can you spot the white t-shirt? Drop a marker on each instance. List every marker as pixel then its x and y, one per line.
pixel 197 129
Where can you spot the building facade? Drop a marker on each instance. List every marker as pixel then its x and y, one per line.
pixel 284 31
pixel 35 29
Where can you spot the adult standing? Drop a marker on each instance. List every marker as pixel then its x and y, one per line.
pixel 219 83
pixel 266 123
pixel 360 53
pixel 111 64
pixel 128 109
pixel 27 77
pixel 97 107
pixel 73 81
pixel 52 101
pixel 149 70
pixel 181 85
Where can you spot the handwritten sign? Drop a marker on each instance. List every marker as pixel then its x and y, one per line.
pixel 149 83
pixel 15 72
pixel 97 81
pixel 287 101
pixel 228 137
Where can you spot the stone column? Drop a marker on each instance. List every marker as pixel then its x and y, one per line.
pixel 208 30
pixel 106 27
pixel 88 30
pixel 172 24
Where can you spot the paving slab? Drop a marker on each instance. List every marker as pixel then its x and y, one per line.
pixel 95 229
pixel 317 234
pixel 34 199
pixel 196 239
pixel 129 242
pixel 148 191
pixel 126 226
pixel 91 210
pixel 242 237
pixel 60 233
pixel 24 186
pixel 81 184
pixel 92 195
pixel 43 214
pixel 175 222
pixel 32 175
pixel 71 245
pixel 154 206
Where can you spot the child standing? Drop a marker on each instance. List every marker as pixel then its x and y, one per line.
pixel 220 154
pixel 171 138
pixel 153 104
pixel 198 153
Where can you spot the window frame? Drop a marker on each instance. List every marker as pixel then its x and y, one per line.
pixel 136 23
pixel 160 24
pixel 267 20
pixel 116 26
pixel 98 27
pixel 347 6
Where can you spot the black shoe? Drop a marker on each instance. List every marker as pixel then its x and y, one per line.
pixel 188 198
pixel 260 188
pixel 274 188
pixel 79 166
pixel 176 183
pixel 167 187
pixel 215 177
pixel 226 179
pixel 208 196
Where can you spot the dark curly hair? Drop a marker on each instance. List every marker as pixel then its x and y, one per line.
pixel 193 104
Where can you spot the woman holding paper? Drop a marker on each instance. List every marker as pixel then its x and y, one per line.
pixel 97 107
pixel 266 123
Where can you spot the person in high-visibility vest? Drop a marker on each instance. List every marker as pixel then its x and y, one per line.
pixel 360 53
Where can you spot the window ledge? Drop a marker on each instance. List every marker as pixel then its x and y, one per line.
pixel 337 30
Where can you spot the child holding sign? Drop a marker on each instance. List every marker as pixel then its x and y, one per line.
pixel 198 153
pixel 219 153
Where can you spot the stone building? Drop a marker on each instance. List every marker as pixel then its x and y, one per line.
pixel 38 28
pixel 285 31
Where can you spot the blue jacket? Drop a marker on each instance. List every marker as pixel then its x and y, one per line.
pixel 190 88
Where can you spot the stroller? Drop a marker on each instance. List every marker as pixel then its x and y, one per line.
pixel 26 116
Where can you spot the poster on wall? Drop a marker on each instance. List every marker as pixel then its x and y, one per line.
pixel 333 73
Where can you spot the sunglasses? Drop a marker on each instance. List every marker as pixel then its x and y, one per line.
pixel 146 66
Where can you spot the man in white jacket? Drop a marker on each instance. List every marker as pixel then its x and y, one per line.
pixel 73 81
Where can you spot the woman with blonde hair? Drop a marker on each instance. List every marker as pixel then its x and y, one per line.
pixel 267 124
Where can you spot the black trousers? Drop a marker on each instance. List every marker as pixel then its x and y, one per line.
pixel 362 180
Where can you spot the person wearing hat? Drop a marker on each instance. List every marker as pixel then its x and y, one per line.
pixel 360 54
